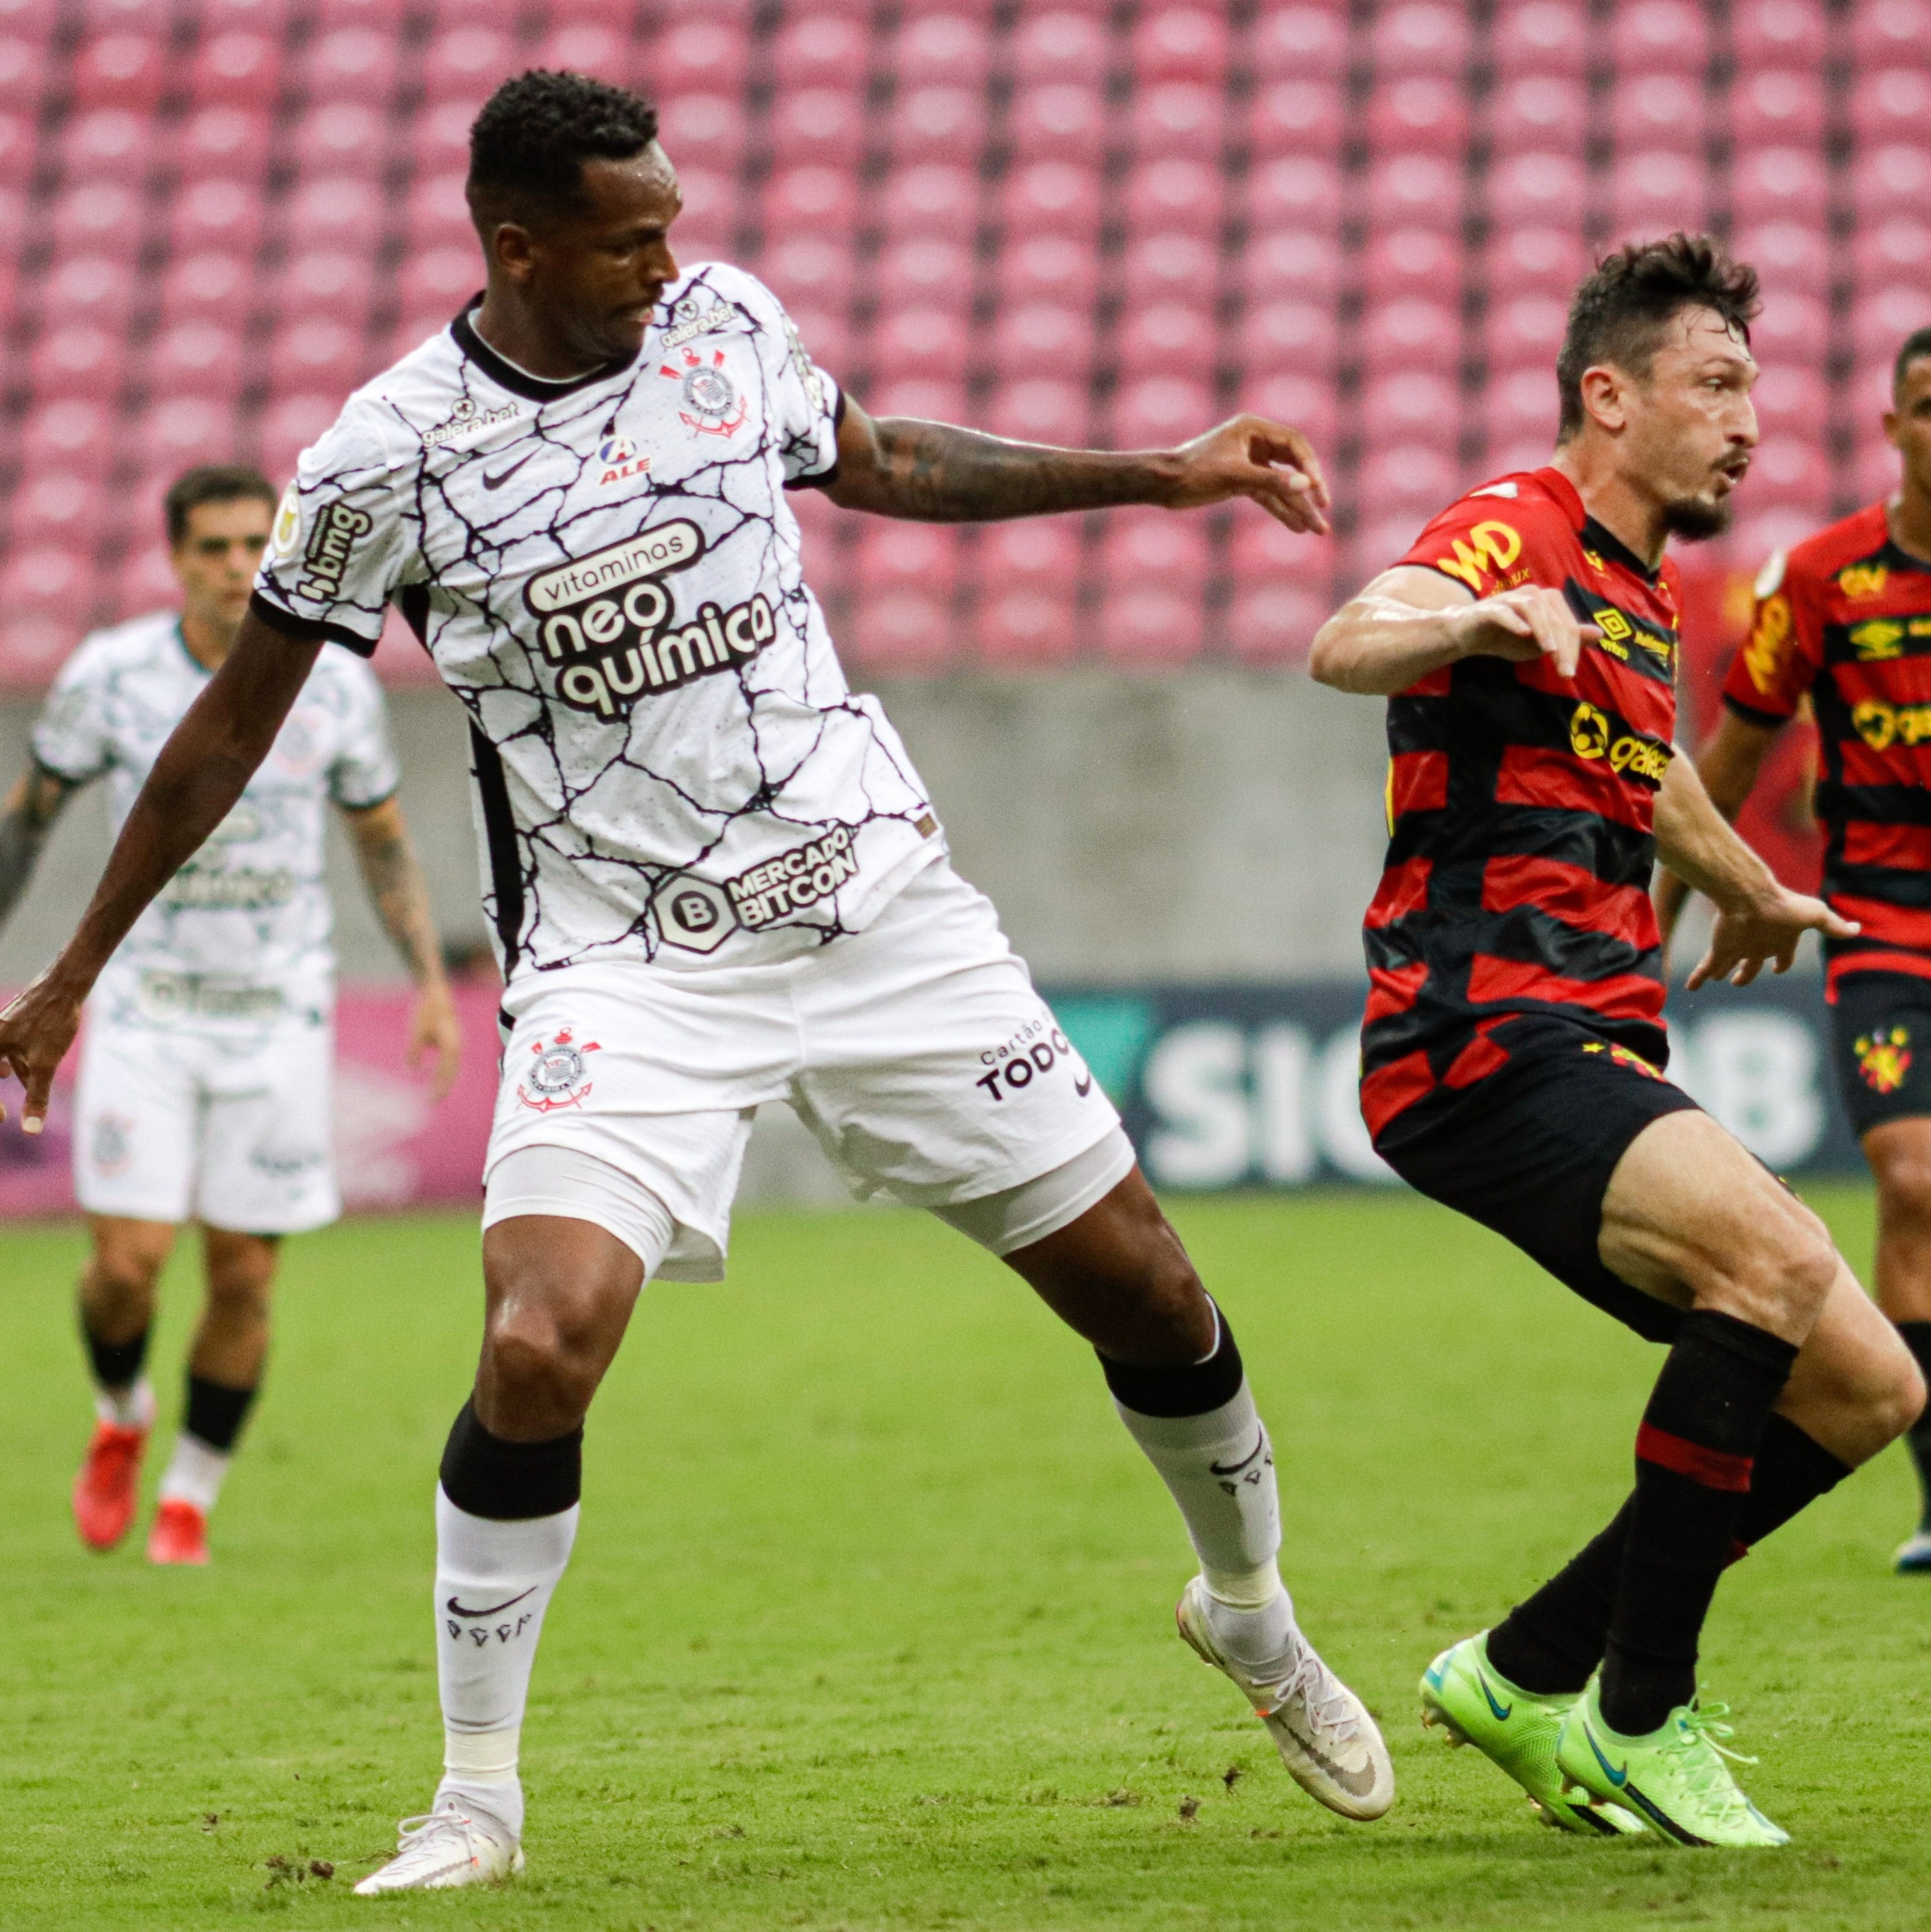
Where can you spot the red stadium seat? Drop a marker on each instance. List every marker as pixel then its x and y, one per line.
pixel 1794 327
pixel 1177 117
pixel 819 48
pixel 1420 36
pixel 1786 471
pixel 224 141
pixel 110 143
pixel 1543 36
pixel 118 70
pixel 1059 44
pixel 1412 406
pixel 439 137
pixel 1892 104
pixel 384 15
pixel 737 14
pixel 334 212
pixel 48 579
pixel 17 148
pixel 172 434
pixel 806 270
pixel 1520 405
pixel 904 632
pixel 74 431
pixel 1660 110
pixel 1777 107
pixel 924 268
pixel 1262 551
pixel 1290 262
pixel 1025 626
pixel 1538 112
pixel 1173 193
pixel 1412 478
pixel 1301 43
pixel 1180 43
pixel 586 46
pixel 1297 117
pixel 1410 261
pixel 705 129
pixel 1296 191
pixel 947 49
pixel 1047 268
pixel 1883 317
pixel 198 358
pixel 920 342
pixel 102 215
pixel 1891 251
pixel 936 123
pixel 1770 184
pixel 906 556
pixel 1274 624
pixel 822 126
pixel 1059 120
pixel 1791 399
pixel 1037 551
pixel 81 358
pixel 1654 193
pixel 1875 470
pixel 13 220
pixel 710 209
pixel 930 398
pixel 340 284
pixel 1166 338
pixel 811 200
pixel 1659 36
pixel 290 425
pixel 1787 254
pixel 23 72
pixel 933 198
pixel 317 353
pixel 1423 113
pixel 1177 263
pixel 235 70
pixel 1411 333
pixel 698 56
pixel 1779 33
pixel 340 137
pixel 57 507
pixel 211 286
pixel 1523 330
pixel 90 288
pixel 1051 197
pixel 1414 190
pixel 1895 180
pixel 1889 33
pixel 1034 338
pixel 1303 402
pixel 826 336
pixel 1039 409
pixel 352 63
pixel 1150 625
pixel 1300 337
pixel 1535 261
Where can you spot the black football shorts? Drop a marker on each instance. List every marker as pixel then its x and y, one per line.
pixel 1529 1150
pixel 1881 1030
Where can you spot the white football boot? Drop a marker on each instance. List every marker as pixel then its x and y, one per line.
pixel 451 1846
pixel 1331 1746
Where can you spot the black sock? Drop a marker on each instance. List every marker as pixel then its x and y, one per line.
pixel 509 1482
pixel 1550 1643
pixel 1192 1388
pixel 116 1365
pixel 1694 1456
pixel 1917 1339
pixel 215 1412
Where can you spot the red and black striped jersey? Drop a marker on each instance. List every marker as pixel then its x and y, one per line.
pixel 1520 809
pixel 1845 616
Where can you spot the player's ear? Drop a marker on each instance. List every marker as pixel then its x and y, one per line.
pixel 511 253
pixel 1892 424
pixel 1604 398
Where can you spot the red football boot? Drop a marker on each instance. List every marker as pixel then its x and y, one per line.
pixel 104 1491
pixel 180 1533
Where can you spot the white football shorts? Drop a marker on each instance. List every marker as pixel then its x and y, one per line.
pixel 917 1052
pixel 174 1124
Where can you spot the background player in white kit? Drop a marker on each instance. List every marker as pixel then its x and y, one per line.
pixel 205 1082
pixel 715 881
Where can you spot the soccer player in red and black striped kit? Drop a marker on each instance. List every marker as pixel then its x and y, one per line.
pixel 1514 1046
pixel 1844 619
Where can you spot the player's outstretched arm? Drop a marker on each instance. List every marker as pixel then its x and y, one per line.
pixel 25 819
pixel 1412 621
pixel 1727 764
pixel 1758 920
pixel 201 773
pixel 937 473
pixel 400 894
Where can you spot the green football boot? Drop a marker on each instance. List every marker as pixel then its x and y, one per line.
pixel 1675 1779
pixel 1465 1697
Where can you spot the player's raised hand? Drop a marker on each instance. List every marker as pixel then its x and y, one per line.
pixel 1522 624
pixel 35 1032
pixel 434 1032
pixel 1743 942
pixel 1249 456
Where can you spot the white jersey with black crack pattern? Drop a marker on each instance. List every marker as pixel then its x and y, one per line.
pixel 669 763
pixel 240 936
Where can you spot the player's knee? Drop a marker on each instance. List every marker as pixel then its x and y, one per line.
pixel 125 1268
pixel 239 1278
pixel 1781 1283
pixel 546 1348
pixel 1897 1399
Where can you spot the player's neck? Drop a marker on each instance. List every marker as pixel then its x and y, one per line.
pixel 1635 520
pixel 1910 520
pixel 208 644
pixel 517 336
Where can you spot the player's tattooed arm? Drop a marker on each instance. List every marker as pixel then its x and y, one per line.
pixel 939 473
pixel 400 896
pixel 1727 764
pixel 26 818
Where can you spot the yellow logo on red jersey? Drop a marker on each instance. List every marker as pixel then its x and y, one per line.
pixel 1863 580
pixel 1763 654
pixel 1590 736
pixel 1877 639
pixel 1492 547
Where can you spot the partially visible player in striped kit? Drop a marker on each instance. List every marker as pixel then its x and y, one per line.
pixel 1844 619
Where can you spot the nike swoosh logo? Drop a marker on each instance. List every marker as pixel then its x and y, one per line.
pixel 1230 1469
pixel 1501 1711
pixel 502 476
pixel 1083 1087
pixel 456 1610
pixel 1356 1784
pixel 1618 1778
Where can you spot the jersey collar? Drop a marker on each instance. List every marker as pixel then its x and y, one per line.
pixel 506 375
pixel 1604 543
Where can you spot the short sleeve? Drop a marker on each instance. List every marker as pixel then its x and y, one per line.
pixel 809 409
pixel 1781 655
pixel 1491 540
pixel 342 538
pixel 71 737
pixel 365 771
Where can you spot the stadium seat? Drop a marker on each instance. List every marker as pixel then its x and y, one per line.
pixel 1051 197
pixel 1296 117
pixel 811 200
pixel 1261 551
pixel 936 123
pixel 1296 191
pixel 1410 261
pixel 1788 472
pixel 1425 37
pixel 1660 110
pixel 1791 399
pixel 704 129
pixel 1416 477
pixel 1177 117
pixel 1042 338
pixel 1300 43
pixel 96 288
pixel 1058 44
pixel 103 217
pixel 1543 189
pixel 1025 626
pixel 1149 625
pixel 587 46
pixel 1659 36
pixel 1535 261
pixel 1153 412
pixel 1897 250
pixel 1173 193
pixel 1524 331
pixel 807 271
pixel 1289 262
pixel 1302 401
pixel 930 341
pixel 17 148
pixel 1893 180
pixel 1892 104
pixel 925 268
pixel 110 143
pixel 1537 112
pixel 340 283
pixel 1177 264
pixel 118 69
pixel 171 434
pixel 818 47
pixel 1177 43
pixel 710 208
pixel 1787 253
pixel 1874 471
pixel 895 555
pixel 1039 409
pixel 54 507
pixel 200 358
pixel 826 334
pixel 1046 268
pixel 1777 108
pixel 73 432
pixel 23 72
pixel 1655 192
pixel 907 632
pixel 351 64
pixel 1794 326
pixel 1519 406
pixel 1787 34
pixel 1889 33
pixel 945 48
pixel 289 425
pixel 1411 333
pixel 931 398
pixel 1041 552
pixel 1883 317
pixel 822 127
pixel 384 15
pixel 13 220
pixel 1769 183
pixel 698 56
pixel 1411 407
pixel 1543 36
pixel 47 578
pixel 333 211
pixel 1414 190
pixel 1058 120
pixel 1422 113
pixel 235 70
pixel 1274 624
pixel 933 198
pixel 224 141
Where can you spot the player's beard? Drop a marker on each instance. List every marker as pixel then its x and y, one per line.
pixel 1697 519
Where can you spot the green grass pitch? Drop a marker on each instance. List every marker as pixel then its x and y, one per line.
pixel 869 1623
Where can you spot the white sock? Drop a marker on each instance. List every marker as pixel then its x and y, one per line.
pixel 1219 1469
pixel 130 1408
pixel 493 1583
pixel 194 1473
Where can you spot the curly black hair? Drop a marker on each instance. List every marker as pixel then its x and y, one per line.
pixel 1620 312
pixel 528 145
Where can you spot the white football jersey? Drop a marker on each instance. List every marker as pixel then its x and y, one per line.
pixel 240 935
pixel 668 764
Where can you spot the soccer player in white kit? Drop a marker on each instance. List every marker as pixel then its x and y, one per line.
pixel 206 1072
pixel 715 881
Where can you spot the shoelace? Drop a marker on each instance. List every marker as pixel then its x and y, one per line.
pixel 1708 1776
pixel 417 1835
pixel 1327 1701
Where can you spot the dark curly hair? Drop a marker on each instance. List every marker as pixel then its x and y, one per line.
pixel 528 146
pixel 1620 314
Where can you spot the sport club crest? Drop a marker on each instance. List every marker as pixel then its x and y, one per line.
pixel 1884 1058
pixel 557 1075
pixel 710 403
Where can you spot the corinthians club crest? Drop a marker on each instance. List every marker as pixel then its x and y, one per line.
pixel 711 404
pixel 557 1075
